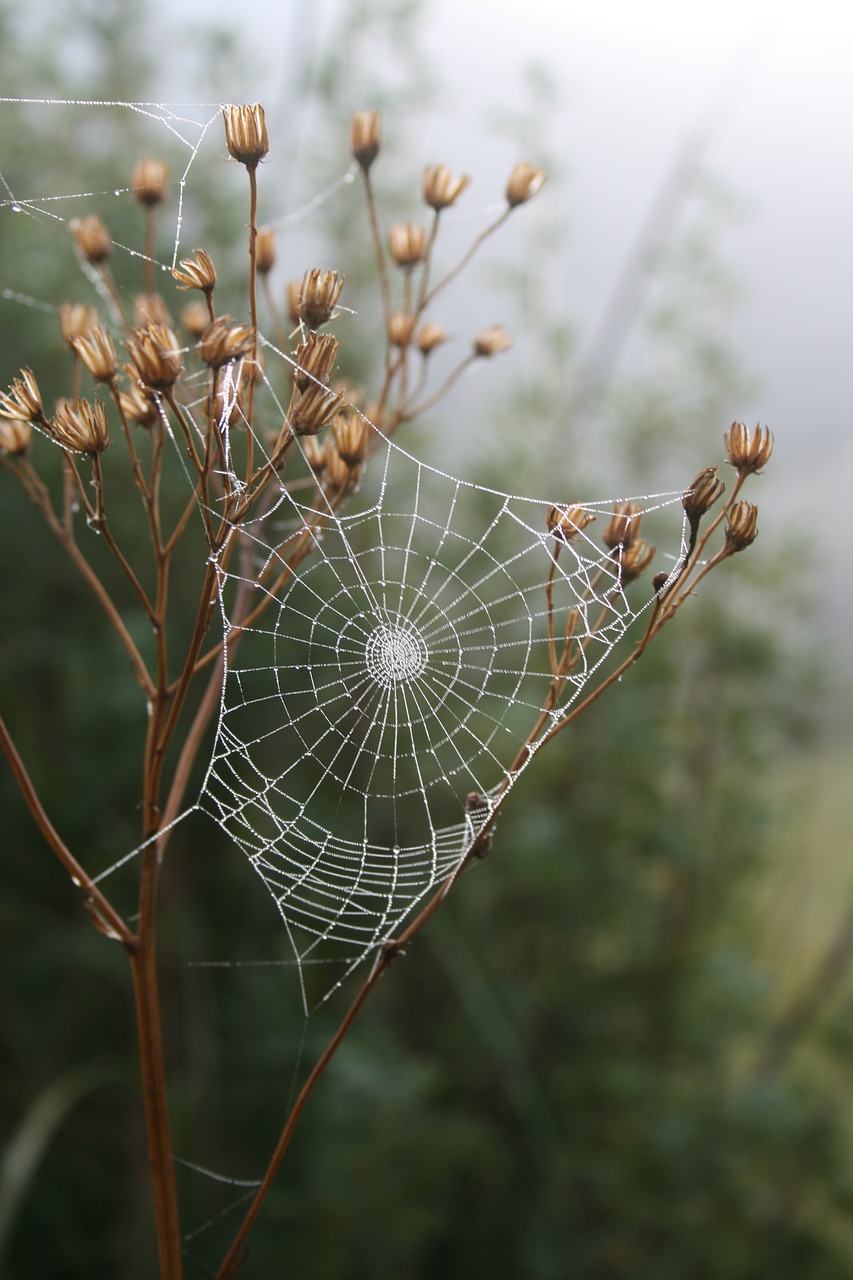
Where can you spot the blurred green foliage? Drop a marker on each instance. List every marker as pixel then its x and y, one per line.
pixel 558 1080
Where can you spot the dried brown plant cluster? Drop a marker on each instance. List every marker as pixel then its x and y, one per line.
pixel 197 378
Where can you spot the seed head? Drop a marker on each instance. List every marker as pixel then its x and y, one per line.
pixel 138 406
pixel 98 354
pixel 315 360
pixel 742 528
pixel 338 475
pixel 148 181
pixel 195 318
pixel 748 453
pixel 565 522
pixel 91 238
pixel 228 407
pixel 318 297
pixel 315 453
pixel 624 525
pixel 441 189
pixel 407 242
pixel 524 181
pixel 351 434
pixel 400 327
pixel 491 341
pixel 633 559
pixel 701 496
pixel 15 437
pixel 428 337
pixel 223 342
pixel 75 319
pixel 265 250
pixel 246 134
pixel 156 356
pixel 22 402
pixel 149 308
pixel 80 426
pixel 365 137
pixel 197 272
pixel 314 409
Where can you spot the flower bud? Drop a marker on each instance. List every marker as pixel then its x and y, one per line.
pixel 407 242
pixel 624 525
pixel 565 522
pixel 75 319
pixel 98 354
pixel 441 189
pixel 80 426
pixel 265 251
pixel 524 181
pixel 742 527
pixel 148 181
pixel 156 356
pixel 22 402
pixel 197 272
pixel 223 342
pixel 246 134
pixel 701 496
pixel 490 342
pixel 318 297
pixel 15 437
pixel 365 137
pixel 748 453
pixel 351 434
pixel 91 238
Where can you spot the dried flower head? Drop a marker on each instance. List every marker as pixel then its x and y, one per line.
pixel 195 317
pixel 315 360
pixel 75 319
pixel 91 238
pixel 633 559
pixel 15 436
pixel 565 522
pixel 246 134
pixel 228 408
pixel 294 293
pixel 223 342
pixel 428 337
pixel 365 137
pixel 315 453
pixel 400 327
pixel 138 405
pixel 338 476
pixel 314 409
pixel 197 272
pixel 441 189
pixel 624 525
pixel 150 308
pixel 491 341
pixel 318 297
pixel 156 356
pixel 80 426
pixel 407 242
pixel 22 402
pixel 148 181
pixel 742 527
pixel 351 433
pixel 748 453
pixel 701 496
pixel 265 250
pixel 524 182
pixel 98 354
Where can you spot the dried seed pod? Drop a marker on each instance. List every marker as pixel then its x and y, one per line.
pixel 318 297
pixel 197 272
pixel 149 308
pixel 633 559
pixel 565 522
pixel 742 527
pixel 491 341
pixel 400 327
pixel 265 250
pixel 148 181
pixel 407 242
pixel 246 135
pixel 75 319
pixel 440 187
pixel 351 434
pixel 156 356
pixel 15 437
pixel 701 496
pixel 314 409
pixel 22 402
pixel 315 360
pixel 624 525
pixel 223 342
pixel 365 137
pixel 138 406
pixel 195 318
pixel 91 238
pixel 523 184
pixel 98 354
pixel 338 475
pixel 228 406
pixel 315 453
pixel 748 453
pixel 428 337
pixel 80 426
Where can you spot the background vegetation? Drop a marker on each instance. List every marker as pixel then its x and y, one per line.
pixel 604 1057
